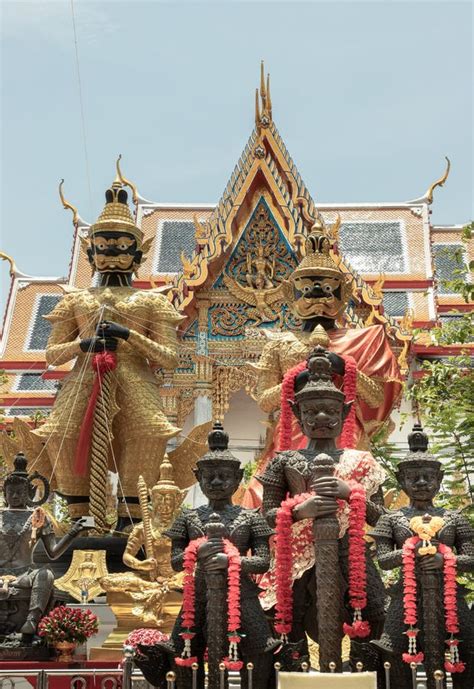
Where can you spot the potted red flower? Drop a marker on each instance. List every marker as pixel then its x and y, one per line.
pixel 64 628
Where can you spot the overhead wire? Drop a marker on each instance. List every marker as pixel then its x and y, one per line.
pixel 81 105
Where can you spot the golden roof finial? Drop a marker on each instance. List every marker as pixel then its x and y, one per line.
pixel 269 100
pixel 377 287
pixel 439 182
pixel 6 257
pixel 263 103
pixel 257 109
pixel 263 92
pixel 125 181
pixel 67 205
pixel 335 227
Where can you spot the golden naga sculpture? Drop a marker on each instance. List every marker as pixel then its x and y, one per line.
pixel 153 583
pixel 318 292
pixel 109 419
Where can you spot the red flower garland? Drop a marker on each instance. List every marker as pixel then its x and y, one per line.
pixel 450 605
pixel 357 571
pixel 232 661
pixel 284 563
pixel 288 395
pixel 348 435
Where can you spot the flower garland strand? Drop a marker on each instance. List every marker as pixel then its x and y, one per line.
pixel 284 564
pixel 231 661
pixel 450 607
pixel 287 396
pixel 348 435
pixel 357 571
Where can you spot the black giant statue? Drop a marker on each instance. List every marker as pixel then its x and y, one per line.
pixel 218 524
pixel 320 481
pixel 426 535
pixel 26 591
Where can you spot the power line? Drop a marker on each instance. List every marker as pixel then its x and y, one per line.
pixel 81 103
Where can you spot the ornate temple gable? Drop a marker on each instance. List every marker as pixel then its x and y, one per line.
pixel 249 291
pixel 265 169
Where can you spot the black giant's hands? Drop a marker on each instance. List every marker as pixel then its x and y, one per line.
pixel 98 344
pixel 210 556
pixel 315 507
pixel 111 329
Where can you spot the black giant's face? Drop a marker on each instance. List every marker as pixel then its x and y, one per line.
pixel 321 418
pixel 114 252
pixel 419 482
pixel 16 495
pixel 219 482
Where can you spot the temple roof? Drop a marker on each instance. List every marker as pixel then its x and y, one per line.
pixel 395 255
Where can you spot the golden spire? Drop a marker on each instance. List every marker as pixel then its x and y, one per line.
pixel 67 205
pixel 263 103
pixel 257 109
pixel 123 180
pixel 263 93
pixel 439 182
pixel 269 100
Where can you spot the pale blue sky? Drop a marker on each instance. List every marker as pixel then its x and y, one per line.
pixel 368 96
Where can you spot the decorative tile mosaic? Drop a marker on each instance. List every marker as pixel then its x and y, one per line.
pixel 39 327
pixel 176 236
pixel 445 264
pixel 34 381
pixel 373 247
pixel 395 303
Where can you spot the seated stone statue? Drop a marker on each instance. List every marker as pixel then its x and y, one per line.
pixel 26 591
pixel 427 536
pixel 219 475
pixel 149 585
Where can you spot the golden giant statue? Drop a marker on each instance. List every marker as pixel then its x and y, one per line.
pixel 108 414
pixel 318 292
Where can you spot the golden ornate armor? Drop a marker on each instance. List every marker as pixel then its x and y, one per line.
pixel 140 429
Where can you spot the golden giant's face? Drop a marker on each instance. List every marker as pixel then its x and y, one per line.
pixel 318 296
pixel 112 252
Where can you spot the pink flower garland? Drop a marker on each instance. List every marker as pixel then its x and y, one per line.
pixel 232 661
pixel 348 435
pixel 284 563
pixel 450 605
pixel 287 396
pixel 357 571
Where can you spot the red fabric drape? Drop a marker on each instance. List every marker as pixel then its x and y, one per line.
pixel 102 363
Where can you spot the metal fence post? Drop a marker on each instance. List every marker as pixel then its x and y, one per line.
pixel 127 668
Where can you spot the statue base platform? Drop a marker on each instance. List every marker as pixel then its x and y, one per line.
pixel 15 654
pixel 122 605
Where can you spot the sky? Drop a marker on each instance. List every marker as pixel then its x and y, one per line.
pixel 368 96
